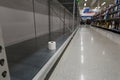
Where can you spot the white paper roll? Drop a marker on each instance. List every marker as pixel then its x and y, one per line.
pixel 52 45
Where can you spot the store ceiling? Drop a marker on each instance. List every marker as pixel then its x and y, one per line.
pixel 94 3
pixel 89 3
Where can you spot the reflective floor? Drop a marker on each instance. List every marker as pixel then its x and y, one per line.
pixel 91 55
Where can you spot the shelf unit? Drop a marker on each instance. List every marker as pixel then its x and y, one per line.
pixel 108 18
pixel 4 72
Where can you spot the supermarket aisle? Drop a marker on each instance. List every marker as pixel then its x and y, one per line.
pixel 90 56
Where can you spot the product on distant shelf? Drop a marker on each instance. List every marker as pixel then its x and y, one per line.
pixel 117 24
pixel 113 24
pixel 110 25
pixel 116 8
pixel 116 1
pixel 107 24
pixel 110 5
pixel 119 14
pixel 106 14
pixel 114 16
pixel 119 27
pixel 119 5
pixel 110 16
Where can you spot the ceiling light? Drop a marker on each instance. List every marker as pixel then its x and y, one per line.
pixel 85 0
pixel 103 3
pixel 84 4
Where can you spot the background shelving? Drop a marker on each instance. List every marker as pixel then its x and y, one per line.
pixel 108 18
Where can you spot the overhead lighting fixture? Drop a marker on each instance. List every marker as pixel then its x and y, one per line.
pixel 103 3
pixel 85 0
pixel 99 7
pixel 84 4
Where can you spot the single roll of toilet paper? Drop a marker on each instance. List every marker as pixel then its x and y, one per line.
pixel 52 45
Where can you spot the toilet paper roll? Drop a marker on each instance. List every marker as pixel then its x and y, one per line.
pixel 52 45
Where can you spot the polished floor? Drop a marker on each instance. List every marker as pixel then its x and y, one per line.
pixel 91 55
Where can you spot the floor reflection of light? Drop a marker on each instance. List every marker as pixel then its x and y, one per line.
pixel 81 40
pixel 82 59
pixel 92 39
pixel 81 43
pixel 82 77
pixel 103 52
pixel 82 48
